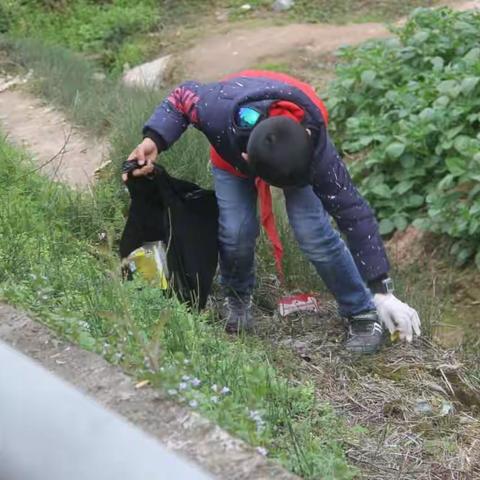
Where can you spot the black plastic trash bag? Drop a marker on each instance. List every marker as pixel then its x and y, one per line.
pixel 185 218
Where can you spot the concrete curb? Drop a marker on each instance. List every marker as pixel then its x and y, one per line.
pixel 51 430
pixel 176 427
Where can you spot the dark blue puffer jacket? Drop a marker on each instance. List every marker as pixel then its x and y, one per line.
pixel 212 108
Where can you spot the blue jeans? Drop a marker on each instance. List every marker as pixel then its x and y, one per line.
pixel 319 241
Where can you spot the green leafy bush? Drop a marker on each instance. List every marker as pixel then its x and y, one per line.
pixel 103 29
pixel 409 108
pixel 5 17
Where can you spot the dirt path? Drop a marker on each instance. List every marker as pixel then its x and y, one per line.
pixel 244 48
pixel 67 154
pixel 240 48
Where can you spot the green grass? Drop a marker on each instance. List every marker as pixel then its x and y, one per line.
pixel 115 31
pixel 329 11
pixel 343 11
pixel 52 263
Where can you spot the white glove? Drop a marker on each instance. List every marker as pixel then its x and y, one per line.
pixel 397 316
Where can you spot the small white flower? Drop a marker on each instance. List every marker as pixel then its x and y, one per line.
pixel 255 415
pixel 182 386
pixel 196 382
pixel 225 391
pixel 162 369
pixel 257 418
pixel 186 361
pixel 262 451
pixel 45 297
pixel 193 403
pixel 214 399
pixel 215 388
pixel 186 378
pixel 172 391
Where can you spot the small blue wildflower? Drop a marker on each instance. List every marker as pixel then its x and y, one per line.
pixel 196 382
pixel 262 451
pixel 225 391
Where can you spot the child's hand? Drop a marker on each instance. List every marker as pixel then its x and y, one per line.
pixel 145 154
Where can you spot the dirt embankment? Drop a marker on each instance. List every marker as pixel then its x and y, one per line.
pixel 244 48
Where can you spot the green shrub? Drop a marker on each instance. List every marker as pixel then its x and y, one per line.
pixel 100 28
pixel 5 16
pixel 409 108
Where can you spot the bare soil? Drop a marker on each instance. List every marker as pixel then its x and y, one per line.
pixel 219 55
pixel 62 151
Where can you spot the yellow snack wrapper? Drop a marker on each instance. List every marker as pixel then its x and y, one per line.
pixel 150 261
pixel 395 336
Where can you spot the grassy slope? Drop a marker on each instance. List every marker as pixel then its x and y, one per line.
pixel 328 11
pixel 52 264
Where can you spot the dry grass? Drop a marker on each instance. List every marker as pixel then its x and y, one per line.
pixel 382 396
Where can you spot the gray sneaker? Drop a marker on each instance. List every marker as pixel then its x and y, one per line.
pixel 365 333
pixel 238 313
